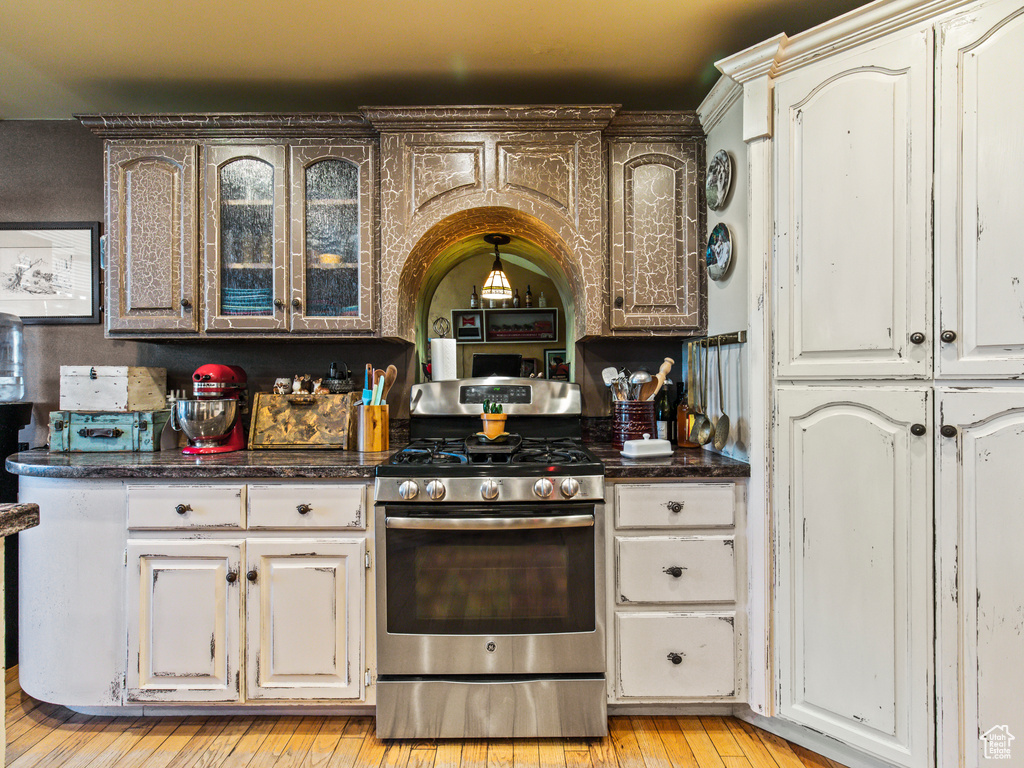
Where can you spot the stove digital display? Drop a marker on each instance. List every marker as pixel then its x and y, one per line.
pixel 499 393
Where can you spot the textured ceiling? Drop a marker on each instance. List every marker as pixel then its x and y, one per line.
pixel 58 57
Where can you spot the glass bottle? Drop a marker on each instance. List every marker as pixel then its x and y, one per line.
pixel 684 421
pixel 661 410
pixel 529 296
pixel 474 300
pixel 515 299
pixel 541 301
pixel 12 359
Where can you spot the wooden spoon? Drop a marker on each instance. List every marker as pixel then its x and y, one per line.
pixel 390 375
pixel 661 375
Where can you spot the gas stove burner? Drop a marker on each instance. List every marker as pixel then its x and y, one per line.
pixel 557 456
pixel 426 451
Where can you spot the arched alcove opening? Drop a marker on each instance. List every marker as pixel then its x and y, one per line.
pixel 458 239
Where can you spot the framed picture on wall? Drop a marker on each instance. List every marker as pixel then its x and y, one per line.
pixel 468 325
pixel 50 271
pixel 555 365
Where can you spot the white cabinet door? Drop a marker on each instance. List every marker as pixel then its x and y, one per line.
pixel 184 616
pixel 852 218
pixel 853 566
pixel 981 576
pixel 304 616
pixel 979 188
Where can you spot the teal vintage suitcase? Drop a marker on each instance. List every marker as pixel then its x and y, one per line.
pixel 102 431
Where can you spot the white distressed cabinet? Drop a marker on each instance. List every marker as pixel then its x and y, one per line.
pixel 245 592
pixel 981 573
pixel 676 602
pixel 853 578
pixel 183 620
pixel 852 197
pixel 978 191
pixel 304 618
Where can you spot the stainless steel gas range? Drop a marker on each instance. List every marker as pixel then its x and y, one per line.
pixel 490 578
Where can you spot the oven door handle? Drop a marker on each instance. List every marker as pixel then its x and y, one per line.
pixel 488 523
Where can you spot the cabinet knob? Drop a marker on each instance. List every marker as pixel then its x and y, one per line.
pixel 181 509
pixel 917 429
pixel 279 303
pixel 232 577
pixel 948 336
pixel 674 571
pixel 948 430
pixel 297 304
pixel 675 507
pixel 917 338
pixel 303 509
pixel 619 301
pixel 185 304
pixel 676 658
pixel 252 575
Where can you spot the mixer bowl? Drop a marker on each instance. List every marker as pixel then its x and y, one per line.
pixel 206 422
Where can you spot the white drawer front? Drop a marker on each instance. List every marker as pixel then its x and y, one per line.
pixel 704 644
pixel 288 505
pixel 646 569
pixel 669 505
pixel 185 506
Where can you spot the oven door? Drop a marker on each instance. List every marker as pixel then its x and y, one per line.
pixel 490 590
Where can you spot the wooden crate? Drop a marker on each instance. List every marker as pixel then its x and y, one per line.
pixel 112 388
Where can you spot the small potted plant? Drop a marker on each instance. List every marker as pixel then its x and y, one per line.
pixel 493 419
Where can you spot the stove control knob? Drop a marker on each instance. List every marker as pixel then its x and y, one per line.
pixel 489 490
pixel 570 487
pixel 408 490
pixel 436 490
pixel 543 487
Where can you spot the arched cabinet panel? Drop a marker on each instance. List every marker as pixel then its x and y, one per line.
pixel 853 580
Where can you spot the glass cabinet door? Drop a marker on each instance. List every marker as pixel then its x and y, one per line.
pixel 331 238
pixel 245 238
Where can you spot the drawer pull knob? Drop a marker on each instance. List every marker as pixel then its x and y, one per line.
pixel 304 509
pixel 675 507
pixel 232 577
pixel 252 575
pixel 917 430
pixel 676 658
pixel 675 571
pixel 948 336
pixel 948 430
pixel 181 509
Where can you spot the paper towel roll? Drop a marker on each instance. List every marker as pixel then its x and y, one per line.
pixel 443 360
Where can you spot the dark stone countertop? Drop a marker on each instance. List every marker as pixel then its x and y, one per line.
pixel 682 464
pixel 345 465
pixel 17 517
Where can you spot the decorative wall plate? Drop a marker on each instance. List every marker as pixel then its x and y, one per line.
pixel 719 180
pixel 719 253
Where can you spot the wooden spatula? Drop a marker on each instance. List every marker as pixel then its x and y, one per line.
pixel 659 378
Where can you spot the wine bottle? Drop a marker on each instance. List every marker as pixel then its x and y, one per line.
pixel 515 299
pixel 474 300
pixel 661 410
pixel 529 297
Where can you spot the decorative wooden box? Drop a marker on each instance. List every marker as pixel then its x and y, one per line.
pixel 112 388
pixel 303 421
pixel 94 432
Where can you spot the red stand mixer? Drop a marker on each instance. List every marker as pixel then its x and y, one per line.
pixel 215 382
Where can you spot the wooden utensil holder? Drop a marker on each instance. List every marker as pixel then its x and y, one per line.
pixel 372 426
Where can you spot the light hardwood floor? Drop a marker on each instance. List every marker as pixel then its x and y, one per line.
pixel 40 734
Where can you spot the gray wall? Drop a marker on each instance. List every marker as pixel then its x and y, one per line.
pixel 53 171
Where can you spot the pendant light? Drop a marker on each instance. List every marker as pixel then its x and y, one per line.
pixel 496 286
